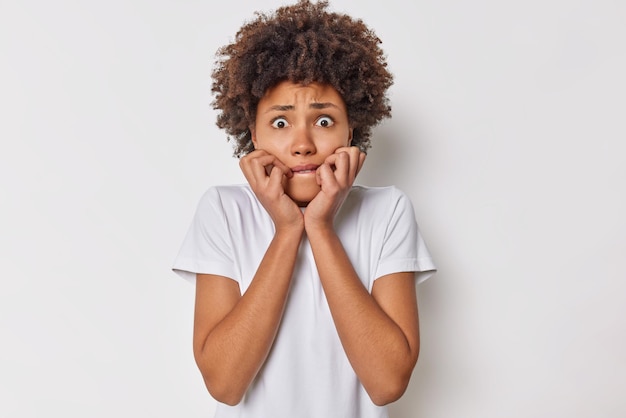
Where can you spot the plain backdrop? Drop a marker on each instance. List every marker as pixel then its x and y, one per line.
pixel 508 134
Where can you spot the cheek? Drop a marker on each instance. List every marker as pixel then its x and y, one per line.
pixel 343 139
pixel 273 147
pixel 266 142
pixel 271 140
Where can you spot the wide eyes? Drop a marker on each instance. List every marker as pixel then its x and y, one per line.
pixel 322 121
pixel 325 122
pixel 279 123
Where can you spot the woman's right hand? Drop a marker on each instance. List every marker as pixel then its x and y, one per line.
pixel 266 175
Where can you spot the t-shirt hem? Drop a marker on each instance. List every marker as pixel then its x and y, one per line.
pixel 188 268
pixel 424 267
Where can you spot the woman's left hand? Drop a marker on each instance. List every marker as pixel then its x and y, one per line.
pixel 335 177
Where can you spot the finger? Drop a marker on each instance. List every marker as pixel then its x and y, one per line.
pixel 356 159
pixel 245 164
pixel 260 164
pixel 354 154
pixel 343 149
pixel 282 166
pixel 341 163
pixel 276 179
pixel 253 169
pixel 362 157
pixel 326 177
pixel 271 161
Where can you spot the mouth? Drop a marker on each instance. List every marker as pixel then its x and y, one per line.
pixel 304 169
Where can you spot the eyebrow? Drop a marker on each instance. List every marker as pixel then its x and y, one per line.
pixel 316 105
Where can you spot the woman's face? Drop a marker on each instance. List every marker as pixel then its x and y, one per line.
pixel 301 126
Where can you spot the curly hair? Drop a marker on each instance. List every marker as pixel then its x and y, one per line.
pixel 302 43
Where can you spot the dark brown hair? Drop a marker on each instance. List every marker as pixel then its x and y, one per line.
pixel 302 43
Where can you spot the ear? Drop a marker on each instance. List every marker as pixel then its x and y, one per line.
pixel 253 137
pixel 350 137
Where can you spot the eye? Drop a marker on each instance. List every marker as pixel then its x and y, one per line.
pixel 279 123
pixel 325 122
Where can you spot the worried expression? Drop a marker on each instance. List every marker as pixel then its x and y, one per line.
pixel 301 126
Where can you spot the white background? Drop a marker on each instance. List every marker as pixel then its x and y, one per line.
pixel 508 134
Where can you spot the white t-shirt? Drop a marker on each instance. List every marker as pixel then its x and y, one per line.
pixel 307 373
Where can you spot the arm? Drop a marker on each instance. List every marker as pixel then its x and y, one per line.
pixel 379 332
pixel 233 333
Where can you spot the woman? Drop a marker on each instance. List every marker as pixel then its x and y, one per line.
pixel 305 297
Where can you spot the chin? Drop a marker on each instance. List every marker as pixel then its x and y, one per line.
pixel 302 192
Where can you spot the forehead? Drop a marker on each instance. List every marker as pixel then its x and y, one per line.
pixel 290 93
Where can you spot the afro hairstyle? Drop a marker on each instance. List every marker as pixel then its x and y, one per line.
pixel 302 43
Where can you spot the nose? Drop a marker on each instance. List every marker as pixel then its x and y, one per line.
pixel 303 143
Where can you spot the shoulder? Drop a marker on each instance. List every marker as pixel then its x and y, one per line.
pixel 227 196
pixel 384 192
pixel 383 200
pixel 234 204
pixel 231 192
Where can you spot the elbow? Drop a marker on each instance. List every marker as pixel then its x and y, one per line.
pixel 224 387
pixel 227 398
pixel 224 393
pixel 390 387
pixel 389 392
pixel 222 384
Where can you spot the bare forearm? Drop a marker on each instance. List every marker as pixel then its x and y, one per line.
pixel 376 346
pixel 233 352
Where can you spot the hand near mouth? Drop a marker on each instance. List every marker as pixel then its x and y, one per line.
pixel 266 175
pixel 335 178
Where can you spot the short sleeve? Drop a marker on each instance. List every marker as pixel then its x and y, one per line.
pixel 404 248
pixel 207 247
